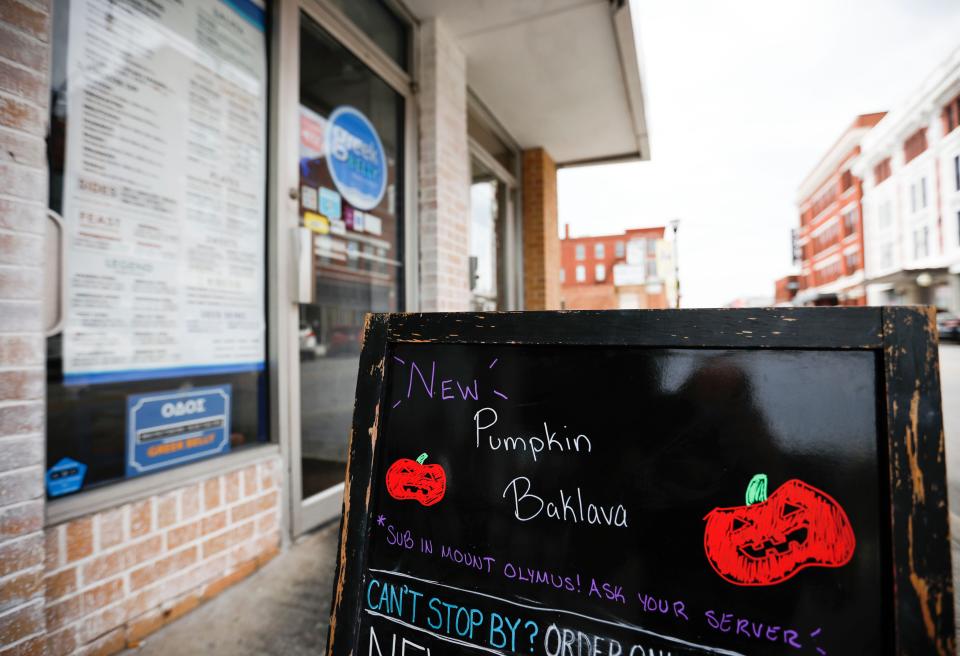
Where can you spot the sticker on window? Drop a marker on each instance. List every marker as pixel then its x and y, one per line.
pixel 168 429
pixel 65 477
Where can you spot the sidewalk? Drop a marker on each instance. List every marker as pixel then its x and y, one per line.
pixel 281 609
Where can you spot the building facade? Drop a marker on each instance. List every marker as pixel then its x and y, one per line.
pixel 201 202
pixel 910 166
pixel 830 235
pixel 628 271
pixel 785 290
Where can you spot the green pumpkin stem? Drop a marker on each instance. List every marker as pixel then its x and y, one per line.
pixel 422 458
pixel 757 489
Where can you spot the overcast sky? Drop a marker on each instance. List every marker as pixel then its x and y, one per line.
pixel 743 98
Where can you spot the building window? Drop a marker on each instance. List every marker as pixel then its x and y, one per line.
pixel 598 251
pixel 581 273
pixel 600 273
pixel 581 252
pixel 651 248
pixel 162 361
pixel 956 172
pixel 881 171
pixel 850 222
pixel 651 269
pixel 824 200
pixel 853 261
pixel 915 144
pixel 563 275
pixel 923 192
pixel 619 248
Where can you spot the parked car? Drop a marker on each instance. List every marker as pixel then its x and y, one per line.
pixel 345 339
pixel 948 326
pixel 308 342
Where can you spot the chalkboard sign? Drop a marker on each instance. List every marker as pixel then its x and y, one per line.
pixel 646 483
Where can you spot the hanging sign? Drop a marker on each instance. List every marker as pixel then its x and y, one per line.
pixel 170 428
pixel 355 157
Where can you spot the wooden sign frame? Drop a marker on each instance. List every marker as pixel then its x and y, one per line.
pixel 904 340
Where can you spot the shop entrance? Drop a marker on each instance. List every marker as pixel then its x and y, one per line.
pixel 349 228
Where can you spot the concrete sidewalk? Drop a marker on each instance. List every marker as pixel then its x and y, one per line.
pixel 281 609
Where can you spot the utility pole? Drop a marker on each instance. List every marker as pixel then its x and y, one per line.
pixel 675 225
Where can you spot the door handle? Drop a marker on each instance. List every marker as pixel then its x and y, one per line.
pixel 54 300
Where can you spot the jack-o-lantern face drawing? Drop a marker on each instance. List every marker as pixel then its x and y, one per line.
pixel 411 479
pixel 772 538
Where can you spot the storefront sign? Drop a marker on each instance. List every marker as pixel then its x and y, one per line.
pixel 647 482
pixel 355 157
pixel 171 428
pixel 164 188
pixel 65 477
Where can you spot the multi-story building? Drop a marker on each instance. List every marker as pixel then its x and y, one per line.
pixel 785 290
pixel 910 165
pixel 830 237
pixel 630 270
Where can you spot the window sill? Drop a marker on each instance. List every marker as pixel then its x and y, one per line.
pixel 135 489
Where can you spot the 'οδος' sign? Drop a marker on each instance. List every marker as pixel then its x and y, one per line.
pixel 166 429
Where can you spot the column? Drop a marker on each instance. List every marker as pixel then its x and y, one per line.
pixel 24 58
pixel 541 243
pixel 444 172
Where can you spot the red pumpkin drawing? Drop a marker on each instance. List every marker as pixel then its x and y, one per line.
pixel 770 539
pixel 411 479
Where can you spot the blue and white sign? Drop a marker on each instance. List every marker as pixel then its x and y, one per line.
pixel 355 157
pixel 65 477
pixel 167 429
pixel 330 205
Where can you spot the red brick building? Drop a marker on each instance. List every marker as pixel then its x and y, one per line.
pixel 630 270
pixel 785 290
pixel 830 237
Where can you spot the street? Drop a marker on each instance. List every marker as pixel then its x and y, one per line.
pixel 950 391
pixel 950 386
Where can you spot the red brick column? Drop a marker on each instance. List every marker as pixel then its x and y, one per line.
pixel 24 57
pixel 541 243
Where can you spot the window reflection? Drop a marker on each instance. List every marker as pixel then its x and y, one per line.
pixel 357 252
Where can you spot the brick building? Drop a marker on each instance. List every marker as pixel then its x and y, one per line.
pixel 910 167
pixel 830 236
pixel 785 290
pixel 200 202
pixel 631 270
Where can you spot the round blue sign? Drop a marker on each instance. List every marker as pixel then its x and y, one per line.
pixel 355 158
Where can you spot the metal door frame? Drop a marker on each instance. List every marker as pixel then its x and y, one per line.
pixel 301 515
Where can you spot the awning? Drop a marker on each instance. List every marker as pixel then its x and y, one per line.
pixel 563 75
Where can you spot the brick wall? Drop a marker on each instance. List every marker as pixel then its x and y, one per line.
pixel 115 576
pixel 444 209
pixel 24 56
pixel 541 244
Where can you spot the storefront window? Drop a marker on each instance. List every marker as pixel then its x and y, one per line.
pixel 351 183
pixel 157 155
pixel 382 26
pixel 488 202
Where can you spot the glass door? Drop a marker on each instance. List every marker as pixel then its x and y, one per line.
pixel 349 227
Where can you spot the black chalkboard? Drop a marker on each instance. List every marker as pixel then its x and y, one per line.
pixel 666 482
